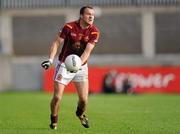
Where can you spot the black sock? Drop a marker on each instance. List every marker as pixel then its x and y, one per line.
pixel 54 119
pixel 79 111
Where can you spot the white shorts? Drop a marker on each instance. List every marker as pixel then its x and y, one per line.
pixel 63 76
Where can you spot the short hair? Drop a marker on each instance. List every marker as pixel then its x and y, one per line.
pixel 83 9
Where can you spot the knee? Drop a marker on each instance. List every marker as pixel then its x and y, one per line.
pixel 57 93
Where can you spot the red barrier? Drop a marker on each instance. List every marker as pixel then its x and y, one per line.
pixel 143 79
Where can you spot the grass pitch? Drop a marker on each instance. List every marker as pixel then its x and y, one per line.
pixel 28 113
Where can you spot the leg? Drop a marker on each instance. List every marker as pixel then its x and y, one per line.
pixel 55 102
pixel 82 89
pixel 61 78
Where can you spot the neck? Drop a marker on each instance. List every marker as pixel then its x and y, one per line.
pixel 83 24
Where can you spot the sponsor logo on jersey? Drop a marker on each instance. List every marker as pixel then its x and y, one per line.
pixel 73 34
pixel 78 45
pixel 80 36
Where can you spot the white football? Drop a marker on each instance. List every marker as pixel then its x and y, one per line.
pixel 73 62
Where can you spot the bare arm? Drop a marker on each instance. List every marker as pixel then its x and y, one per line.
pixel 54 47
pixel 87 52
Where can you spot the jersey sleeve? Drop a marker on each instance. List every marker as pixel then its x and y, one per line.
pixel 64 31
pixel 94 36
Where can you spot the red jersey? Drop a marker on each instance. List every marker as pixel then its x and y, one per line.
pixel 76 39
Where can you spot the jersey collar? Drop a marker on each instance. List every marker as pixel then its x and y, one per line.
pixel 78 23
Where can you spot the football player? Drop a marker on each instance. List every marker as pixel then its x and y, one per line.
pixel 78 37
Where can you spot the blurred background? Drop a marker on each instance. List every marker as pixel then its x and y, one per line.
pixel 138 51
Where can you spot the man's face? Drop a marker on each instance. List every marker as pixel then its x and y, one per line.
pixel 88 16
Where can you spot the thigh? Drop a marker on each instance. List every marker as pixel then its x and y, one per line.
pixel 62 75
pixel 58 89
pixel 82 89
pixel 82 74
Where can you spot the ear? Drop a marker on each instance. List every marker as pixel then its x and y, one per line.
pixel 81 16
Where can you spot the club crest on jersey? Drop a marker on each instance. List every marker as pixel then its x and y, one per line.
pixel 59 77
pixel 73 34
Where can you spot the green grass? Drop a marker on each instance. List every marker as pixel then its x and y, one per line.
pixel 28 113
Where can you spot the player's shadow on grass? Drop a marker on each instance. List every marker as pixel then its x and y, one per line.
pixel 24 128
